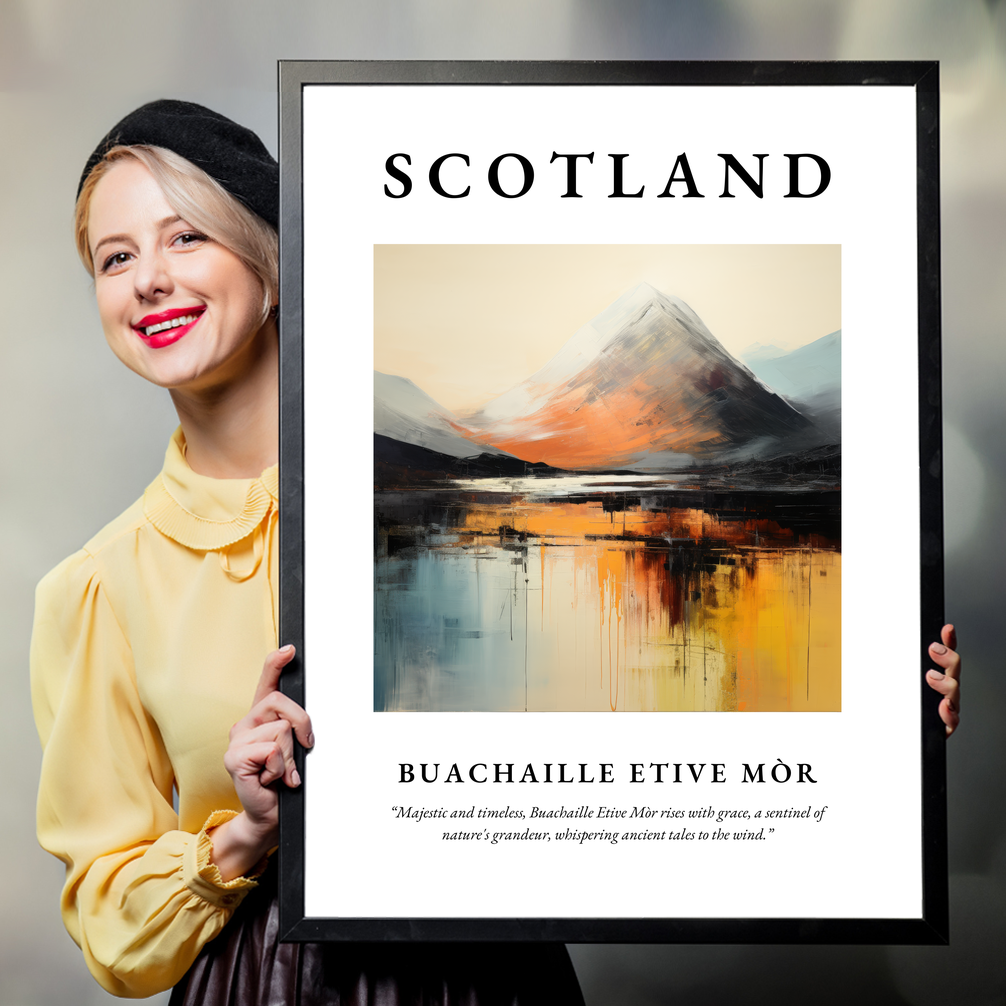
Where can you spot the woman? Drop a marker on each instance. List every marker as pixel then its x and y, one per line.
pixel 149 642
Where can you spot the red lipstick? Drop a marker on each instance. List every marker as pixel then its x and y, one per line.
pixel 166 327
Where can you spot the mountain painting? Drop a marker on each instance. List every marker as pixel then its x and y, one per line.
pixel 648 521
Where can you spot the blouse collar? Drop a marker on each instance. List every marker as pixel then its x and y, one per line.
pixel 204 513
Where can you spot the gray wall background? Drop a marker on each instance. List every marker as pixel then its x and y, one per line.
pixel 82 436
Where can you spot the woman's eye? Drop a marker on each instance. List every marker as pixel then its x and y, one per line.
pixel 190 238
pixel 114 261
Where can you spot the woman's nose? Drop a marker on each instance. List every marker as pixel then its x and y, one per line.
pixel 152 277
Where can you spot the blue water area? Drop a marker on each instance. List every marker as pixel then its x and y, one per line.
pixel 449 625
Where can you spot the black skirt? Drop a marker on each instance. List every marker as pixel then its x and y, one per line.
pixel 246 965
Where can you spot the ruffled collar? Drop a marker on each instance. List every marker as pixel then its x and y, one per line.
pixel 203 513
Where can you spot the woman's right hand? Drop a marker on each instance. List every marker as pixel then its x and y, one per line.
pixel 259 754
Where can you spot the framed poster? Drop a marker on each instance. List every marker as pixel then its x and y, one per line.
pixel 611 501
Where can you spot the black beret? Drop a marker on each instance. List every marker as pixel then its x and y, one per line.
pixel 231 154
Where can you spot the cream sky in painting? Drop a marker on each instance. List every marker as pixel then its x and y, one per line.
pixel 468 322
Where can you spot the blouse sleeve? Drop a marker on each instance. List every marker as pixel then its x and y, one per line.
pixel 141 898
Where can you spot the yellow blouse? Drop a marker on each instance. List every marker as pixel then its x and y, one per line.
pixel 147 647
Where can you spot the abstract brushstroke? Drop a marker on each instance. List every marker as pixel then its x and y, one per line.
pixel 405 413
pixel 810 377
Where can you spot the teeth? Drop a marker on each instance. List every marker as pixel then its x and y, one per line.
pixel 174 323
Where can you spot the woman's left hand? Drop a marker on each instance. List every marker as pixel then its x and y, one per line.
pixel 948 681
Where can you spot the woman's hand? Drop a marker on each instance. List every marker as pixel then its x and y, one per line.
pixel 948 681
pixel 260 754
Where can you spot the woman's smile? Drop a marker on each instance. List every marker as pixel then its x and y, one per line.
pixel 166 327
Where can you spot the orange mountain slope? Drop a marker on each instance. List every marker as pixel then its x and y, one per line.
pixel 649 388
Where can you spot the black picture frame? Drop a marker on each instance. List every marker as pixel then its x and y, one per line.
pixel 931 926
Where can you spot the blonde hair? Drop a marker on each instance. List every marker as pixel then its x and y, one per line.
pixel 199 200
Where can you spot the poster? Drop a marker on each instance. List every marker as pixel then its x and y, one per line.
pixel 602 389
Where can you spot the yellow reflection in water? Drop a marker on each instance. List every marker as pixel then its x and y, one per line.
pixel 668 610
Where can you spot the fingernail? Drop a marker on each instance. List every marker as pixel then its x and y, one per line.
pixel 295 777
pixel 938 648
pixel 287 649
pixel 310 740
pixel 936 675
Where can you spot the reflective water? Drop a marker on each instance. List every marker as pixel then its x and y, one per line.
pixel 561 600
